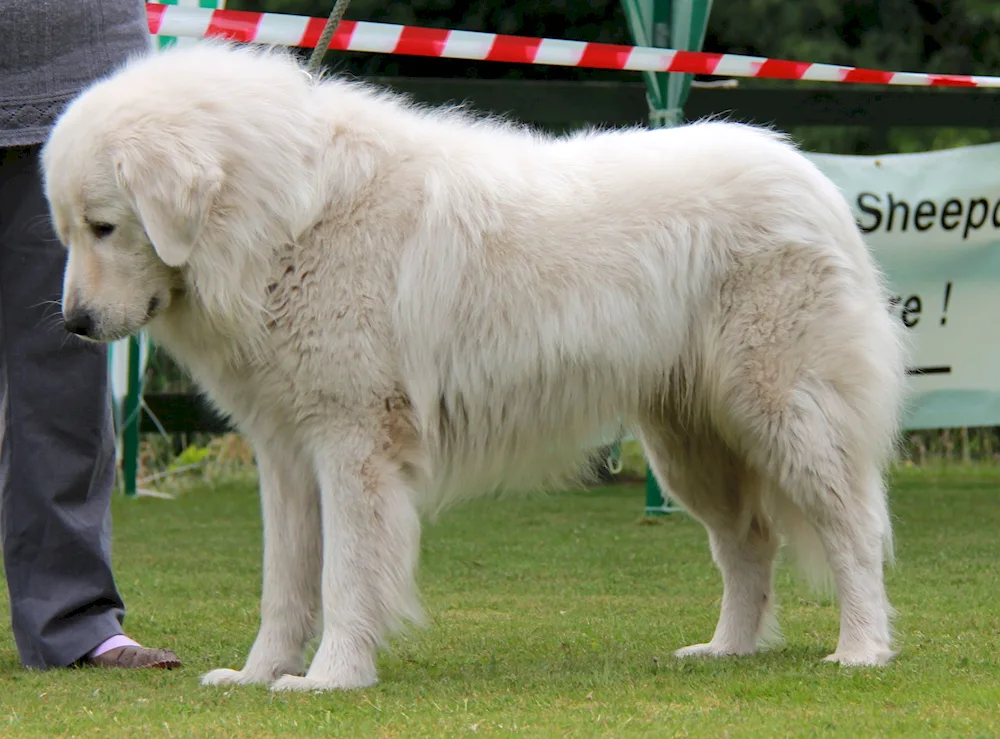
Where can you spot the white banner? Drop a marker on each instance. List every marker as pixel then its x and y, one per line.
pixel 933 222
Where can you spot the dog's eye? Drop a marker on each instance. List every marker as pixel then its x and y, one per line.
pixel 102 230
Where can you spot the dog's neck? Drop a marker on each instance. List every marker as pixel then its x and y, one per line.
pixel 210 321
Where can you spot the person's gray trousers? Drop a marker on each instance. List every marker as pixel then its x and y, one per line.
pixel 57 455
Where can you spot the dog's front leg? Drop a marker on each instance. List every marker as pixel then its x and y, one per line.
pixel 292 557
pixel 371 535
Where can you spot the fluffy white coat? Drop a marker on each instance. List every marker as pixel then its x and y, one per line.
pixel 401 307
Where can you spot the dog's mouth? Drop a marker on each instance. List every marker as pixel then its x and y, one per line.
pixel 157 304
pixel 106 338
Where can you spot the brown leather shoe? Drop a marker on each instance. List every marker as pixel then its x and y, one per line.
pixel 136 657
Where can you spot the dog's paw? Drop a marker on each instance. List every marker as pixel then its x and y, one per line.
pixel 226 676
pixel 310 684
pixel 862 657
pixel 711 650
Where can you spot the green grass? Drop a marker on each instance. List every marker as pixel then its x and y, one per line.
pixel 549 616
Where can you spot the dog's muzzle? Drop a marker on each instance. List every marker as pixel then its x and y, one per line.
pixel 80 323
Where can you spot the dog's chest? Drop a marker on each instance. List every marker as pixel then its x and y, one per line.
pixel 328 328
pixel 326 344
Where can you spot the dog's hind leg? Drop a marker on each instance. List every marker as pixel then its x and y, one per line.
pixel 840 492
pixel 814 447
pixel 854 543
pixel 371 535
pixel 292 558
pixel 809 376
pixel 725 497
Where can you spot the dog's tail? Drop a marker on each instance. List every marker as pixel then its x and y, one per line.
pixel 806 547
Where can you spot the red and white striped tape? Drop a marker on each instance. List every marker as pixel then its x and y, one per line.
pixel 386 38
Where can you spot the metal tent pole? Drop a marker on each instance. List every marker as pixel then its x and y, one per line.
pixel 677 24
pixel 130 418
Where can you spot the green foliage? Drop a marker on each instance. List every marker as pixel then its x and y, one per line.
pixel 192 455
pixel 946 36
pixel 909 35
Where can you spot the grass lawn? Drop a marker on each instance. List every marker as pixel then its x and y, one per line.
pixel 549 616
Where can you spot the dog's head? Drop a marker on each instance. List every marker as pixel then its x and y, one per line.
pixel 144 167
pixel 130 213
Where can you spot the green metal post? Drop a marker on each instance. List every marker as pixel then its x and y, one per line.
pixel 130 416
pixel 676 24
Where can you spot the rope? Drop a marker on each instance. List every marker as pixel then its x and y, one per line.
pixel 614 461
pixel 324 40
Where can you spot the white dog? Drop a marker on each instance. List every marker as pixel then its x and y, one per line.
pixel 401 307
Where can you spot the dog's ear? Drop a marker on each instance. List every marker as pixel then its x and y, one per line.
pixel 173 190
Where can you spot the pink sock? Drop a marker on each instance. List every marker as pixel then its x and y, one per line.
pixel 114 642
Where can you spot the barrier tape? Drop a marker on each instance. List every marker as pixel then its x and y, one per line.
pixel 387 38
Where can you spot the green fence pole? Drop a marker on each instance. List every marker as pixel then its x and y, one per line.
pixel 677 24
pixel 130 414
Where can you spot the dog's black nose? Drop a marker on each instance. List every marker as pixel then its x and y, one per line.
pixel 79 323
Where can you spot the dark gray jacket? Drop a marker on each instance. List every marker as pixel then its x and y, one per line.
pixel 52 49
